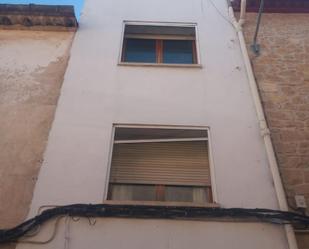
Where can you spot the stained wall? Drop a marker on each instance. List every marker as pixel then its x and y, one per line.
pixel 32 66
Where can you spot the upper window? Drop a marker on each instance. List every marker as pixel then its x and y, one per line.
pixel 159 44
pixel 156 164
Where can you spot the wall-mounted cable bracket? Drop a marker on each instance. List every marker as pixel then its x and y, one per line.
pixel 255 47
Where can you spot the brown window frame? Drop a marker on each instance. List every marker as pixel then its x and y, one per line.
pixel 159 51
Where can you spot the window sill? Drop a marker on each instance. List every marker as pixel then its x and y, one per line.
pixel 162 203
pixel 137 64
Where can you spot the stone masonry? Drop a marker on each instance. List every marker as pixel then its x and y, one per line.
pixel 282 73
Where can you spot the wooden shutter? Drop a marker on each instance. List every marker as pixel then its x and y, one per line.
pixel 167 163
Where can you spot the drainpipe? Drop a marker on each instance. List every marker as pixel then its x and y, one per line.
pixel 283 205
pixel 243 7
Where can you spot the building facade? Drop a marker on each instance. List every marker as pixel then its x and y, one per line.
pixel 156 111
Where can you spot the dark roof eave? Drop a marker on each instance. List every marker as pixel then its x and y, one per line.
pixel 33 16
pixel 275 6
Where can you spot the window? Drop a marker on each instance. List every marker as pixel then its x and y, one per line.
pixel 160 164
pixel 159 44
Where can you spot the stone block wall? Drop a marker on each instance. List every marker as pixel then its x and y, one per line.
pixel 282 73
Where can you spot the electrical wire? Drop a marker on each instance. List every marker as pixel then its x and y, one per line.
pixel 67 233
pixel 154 212
pixel 33 233
pixel 220 13
pixel 53 235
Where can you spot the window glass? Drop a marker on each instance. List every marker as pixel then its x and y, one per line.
pixel 127 192
pixel 143 192
pixel 178 193
pixel 186 194
pixel 140 50
pixel 175 51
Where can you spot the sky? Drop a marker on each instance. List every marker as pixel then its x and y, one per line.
pixel 78 4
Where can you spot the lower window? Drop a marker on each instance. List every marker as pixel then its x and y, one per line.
pixel 160 164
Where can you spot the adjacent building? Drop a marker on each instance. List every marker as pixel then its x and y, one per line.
pixel 282 71
pixel 35 44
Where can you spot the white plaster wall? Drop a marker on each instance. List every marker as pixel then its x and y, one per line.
pixel 97 93
pixel 111 233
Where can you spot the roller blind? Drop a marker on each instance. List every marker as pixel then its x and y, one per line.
pixel 166 163
pixel 159 32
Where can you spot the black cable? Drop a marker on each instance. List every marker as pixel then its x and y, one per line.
pixel 155 212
